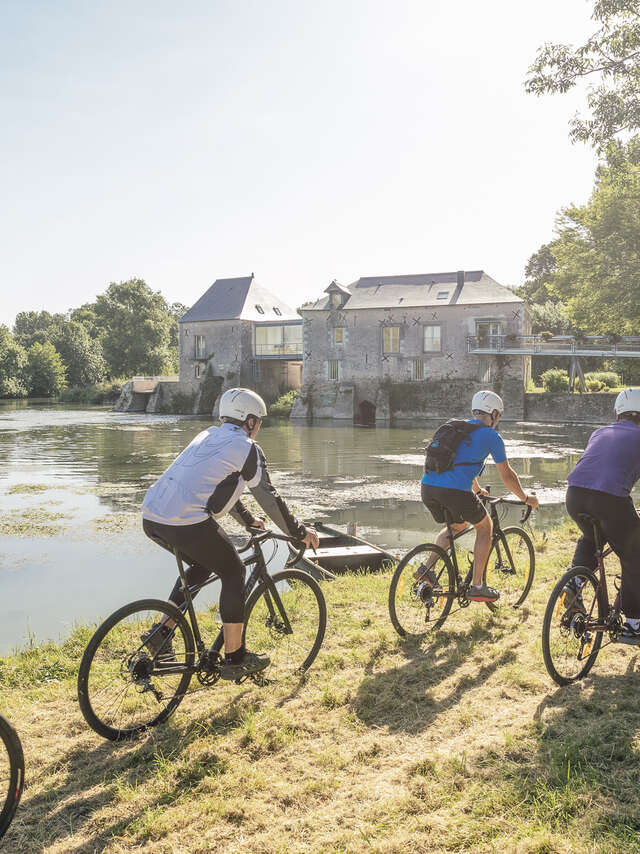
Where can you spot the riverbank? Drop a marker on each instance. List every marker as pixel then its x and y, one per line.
pixel 463 745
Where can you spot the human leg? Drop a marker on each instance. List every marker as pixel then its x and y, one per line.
pixel 484 531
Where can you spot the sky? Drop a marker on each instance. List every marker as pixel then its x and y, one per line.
pixel 299 140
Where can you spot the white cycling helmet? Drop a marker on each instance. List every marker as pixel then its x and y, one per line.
pixel 240 403
pixel 627 401
pixel 487 401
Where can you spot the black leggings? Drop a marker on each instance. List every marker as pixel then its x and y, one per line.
pixel 208 549
pixel 621 527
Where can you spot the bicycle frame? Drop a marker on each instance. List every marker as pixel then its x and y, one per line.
pixel 259 572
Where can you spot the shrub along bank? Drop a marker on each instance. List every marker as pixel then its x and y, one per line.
pixel 463 744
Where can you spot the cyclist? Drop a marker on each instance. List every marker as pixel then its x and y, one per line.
pixel 183 508
pixel 457 490
pixel 600 486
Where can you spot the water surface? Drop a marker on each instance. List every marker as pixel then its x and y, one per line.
pixel 97 464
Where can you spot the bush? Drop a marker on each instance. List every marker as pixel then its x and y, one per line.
pixel 105 392
pixel 594 385
pixel 284 404
pixel 555 379
pixel 609 379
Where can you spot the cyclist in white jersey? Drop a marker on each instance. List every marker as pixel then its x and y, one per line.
pixel 204 483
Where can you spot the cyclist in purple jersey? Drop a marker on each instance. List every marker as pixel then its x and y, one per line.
pixel 600 487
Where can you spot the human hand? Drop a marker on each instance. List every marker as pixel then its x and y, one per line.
pixel 258 523
pixel 311 539
pixel 483 493
pixel 531 500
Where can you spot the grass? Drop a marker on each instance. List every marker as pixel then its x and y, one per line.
pixel 462 744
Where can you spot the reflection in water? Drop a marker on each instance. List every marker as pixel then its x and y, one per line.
pixel 97 463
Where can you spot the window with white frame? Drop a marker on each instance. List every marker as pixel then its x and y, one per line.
pixel 197 371
pixel 338 334
pixel 333 369
pixel 432 338
pixel 488 328
pixel 199 346
pixel 417 369
pixel 390 339
pixel 486 372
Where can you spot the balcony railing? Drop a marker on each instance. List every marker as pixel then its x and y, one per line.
pixel 559 345
pixel 290 348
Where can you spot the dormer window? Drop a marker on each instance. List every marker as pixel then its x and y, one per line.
pixel 277 311
pixel 443 294
pixel 259 309
pixel 336 300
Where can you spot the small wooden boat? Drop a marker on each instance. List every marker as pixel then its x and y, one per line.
pixel 340 552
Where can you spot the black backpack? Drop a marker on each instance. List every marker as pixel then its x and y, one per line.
pixel 443 447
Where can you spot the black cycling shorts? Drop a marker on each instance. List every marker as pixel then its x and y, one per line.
pixel 463 506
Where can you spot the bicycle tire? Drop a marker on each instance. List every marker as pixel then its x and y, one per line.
pixel 290 653
pixel 552 647
pixel 512 577
pixel 406 617
pixel 130 651
pixel 15 777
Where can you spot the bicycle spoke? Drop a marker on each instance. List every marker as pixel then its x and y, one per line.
pixel 415 604
pixel 511 566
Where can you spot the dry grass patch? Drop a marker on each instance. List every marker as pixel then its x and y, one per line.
pixel 458 744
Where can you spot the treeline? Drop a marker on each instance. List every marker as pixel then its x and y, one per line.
pixel 587 280
pixel 129 329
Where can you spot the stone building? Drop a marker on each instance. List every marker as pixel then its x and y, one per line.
pixel 392 348
pixel 242 334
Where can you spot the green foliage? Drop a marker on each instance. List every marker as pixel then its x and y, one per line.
pixel 13 360
pixel 610 61
pixel 210 387
pixel 594 385
pixel 34 326
pixel 540 267
pixel 549 317
pixel 45 370
pixel 105 392
pixel 607 379
pixel 81 353
pixel 555 379
pixel 136 324
pixel 284 404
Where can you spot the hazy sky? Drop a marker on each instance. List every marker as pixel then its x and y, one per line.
pixel 299 139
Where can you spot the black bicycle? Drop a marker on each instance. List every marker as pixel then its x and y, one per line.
pixel 579 614
pixel 135 671
pixel 11 774
pixel 414 608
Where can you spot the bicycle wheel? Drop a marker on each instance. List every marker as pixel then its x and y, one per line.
pixel 291 637
pixel 412 608
pixel 511 566
pixel 126 683
pixel 569 646
pixel 11 773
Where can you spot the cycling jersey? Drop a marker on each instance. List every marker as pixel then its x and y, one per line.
pixel 209 476
pixel 481 443
pixel 611 461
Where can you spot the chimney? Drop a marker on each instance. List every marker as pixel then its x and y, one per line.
pixel 460 278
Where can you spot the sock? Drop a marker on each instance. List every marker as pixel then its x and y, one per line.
pixel 634 623
pixel 236 656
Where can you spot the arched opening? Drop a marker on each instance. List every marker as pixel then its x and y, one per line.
pixel 366 414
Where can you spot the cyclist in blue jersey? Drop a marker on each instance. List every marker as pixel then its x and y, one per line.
pixel 457 489
pixel 600 486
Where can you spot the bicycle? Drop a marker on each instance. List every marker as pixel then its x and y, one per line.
pixel 11 774
pixel 131 677
pixel 413 609
pixel 577 618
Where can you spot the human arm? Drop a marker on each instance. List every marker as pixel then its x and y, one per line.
pixel 512 482
pixel 479 490
pixel 244 516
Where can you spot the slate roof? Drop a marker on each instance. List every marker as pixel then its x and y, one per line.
pixel 236 299
pixel 423 289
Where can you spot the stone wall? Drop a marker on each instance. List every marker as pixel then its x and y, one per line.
pixel 566 408
pixel 228 352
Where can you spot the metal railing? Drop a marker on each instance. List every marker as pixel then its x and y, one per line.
pixel 597 345
pixel 291 348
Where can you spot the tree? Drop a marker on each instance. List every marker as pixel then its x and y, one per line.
pixel 539 270
pixel 611 58
pixel 32 326
pixel 549 317
pixel 597 250
pixel 44 370
pixel 13 359
pixel 81 354
pixel 136 329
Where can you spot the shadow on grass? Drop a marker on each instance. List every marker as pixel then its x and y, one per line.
pixel 401 698
pixel 60 812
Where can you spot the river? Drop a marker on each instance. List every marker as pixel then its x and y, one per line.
pixel 72 480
